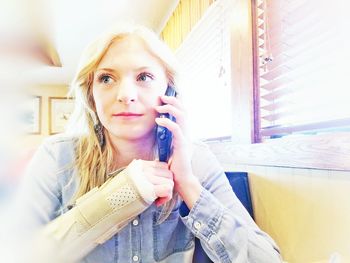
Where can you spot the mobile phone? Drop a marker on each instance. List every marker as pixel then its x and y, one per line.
pixel 164 136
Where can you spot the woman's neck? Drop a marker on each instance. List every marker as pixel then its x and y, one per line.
pixel 127 150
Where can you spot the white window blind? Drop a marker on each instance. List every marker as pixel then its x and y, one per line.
pixel 205 59
pixel 303 68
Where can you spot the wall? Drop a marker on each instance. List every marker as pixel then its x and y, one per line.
pixel 45 91
pixel 184 18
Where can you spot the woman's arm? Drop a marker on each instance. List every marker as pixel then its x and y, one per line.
pixel 39 228
pixel 217 217
pixel 96 217
pixel 219 220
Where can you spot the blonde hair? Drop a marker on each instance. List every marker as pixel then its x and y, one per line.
pixel 94 162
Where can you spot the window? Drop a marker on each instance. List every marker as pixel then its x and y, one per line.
pixel 205 60
pixel 302 68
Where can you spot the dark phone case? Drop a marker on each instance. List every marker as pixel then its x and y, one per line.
pixel 164 136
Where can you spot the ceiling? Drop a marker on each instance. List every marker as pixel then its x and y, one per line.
pixel 44 38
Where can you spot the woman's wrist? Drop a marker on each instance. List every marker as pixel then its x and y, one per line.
pixel 189 189
pixel 144 187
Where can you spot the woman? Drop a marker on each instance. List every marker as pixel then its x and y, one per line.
pixel 102 196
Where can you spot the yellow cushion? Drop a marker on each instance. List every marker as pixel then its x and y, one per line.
pixel 306 211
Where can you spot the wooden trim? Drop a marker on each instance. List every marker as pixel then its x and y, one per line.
pixel 306 127
pixel 327 151
pixel 242 72
pixel 256 82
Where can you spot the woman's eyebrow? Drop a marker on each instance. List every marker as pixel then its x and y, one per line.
pixel 105 69
pixel 143 68
pixel 147 68
pixel 137 69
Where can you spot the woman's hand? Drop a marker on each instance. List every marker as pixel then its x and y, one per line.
pixel 158 174
pixel 186 184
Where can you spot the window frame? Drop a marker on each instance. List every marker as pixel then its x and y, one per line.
pixel 330 151
pixel 260 132
pixel 324 152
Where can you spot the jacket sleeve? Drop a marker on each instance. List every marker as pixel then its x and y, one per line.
pixel 44 234
pixel 224 227
pixel 95 218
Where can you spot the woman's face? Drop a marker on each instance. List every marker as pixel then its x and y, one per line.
pixel 126 88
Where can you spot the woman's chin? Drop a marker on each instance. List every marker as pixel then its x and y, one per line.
pixel 134 135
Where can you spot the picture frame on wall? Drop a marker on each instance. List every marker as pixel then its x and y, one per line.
pixel 31 115
pixel 60 109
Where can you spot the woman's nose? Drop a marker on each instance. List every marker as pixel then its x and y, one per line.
pixel 127 92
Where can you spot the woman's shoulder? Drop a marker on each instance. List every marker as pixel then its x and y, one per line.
pixel 60 139
pixel 204 162
pixel 59 145
pixel 200 149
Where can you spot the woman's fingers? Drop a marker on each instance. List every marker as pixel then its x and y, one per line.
pixel 162 200
pixel 159 180
pixel 173 106
pixel 172 101
pixel 155 164
pixel 167 108
pixel 154 168
pixel 164 190
pixel 174 128
pixel 158 174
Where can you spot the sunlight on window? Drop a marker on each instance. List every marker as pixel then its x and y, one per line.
pixel 304 66
pixel 205 58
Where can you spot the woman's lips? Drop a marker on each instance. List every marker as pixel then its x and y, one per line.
pixel 127 115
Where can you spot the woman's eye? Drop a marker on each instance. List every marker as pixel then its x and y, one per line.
pixel 144 77
pixel 105 79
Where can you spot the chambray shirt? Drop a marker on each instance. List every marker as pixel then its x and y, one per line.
pixel 218 219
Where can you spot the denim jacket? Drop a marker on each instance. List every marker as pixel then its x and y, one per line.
pixel 225 229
